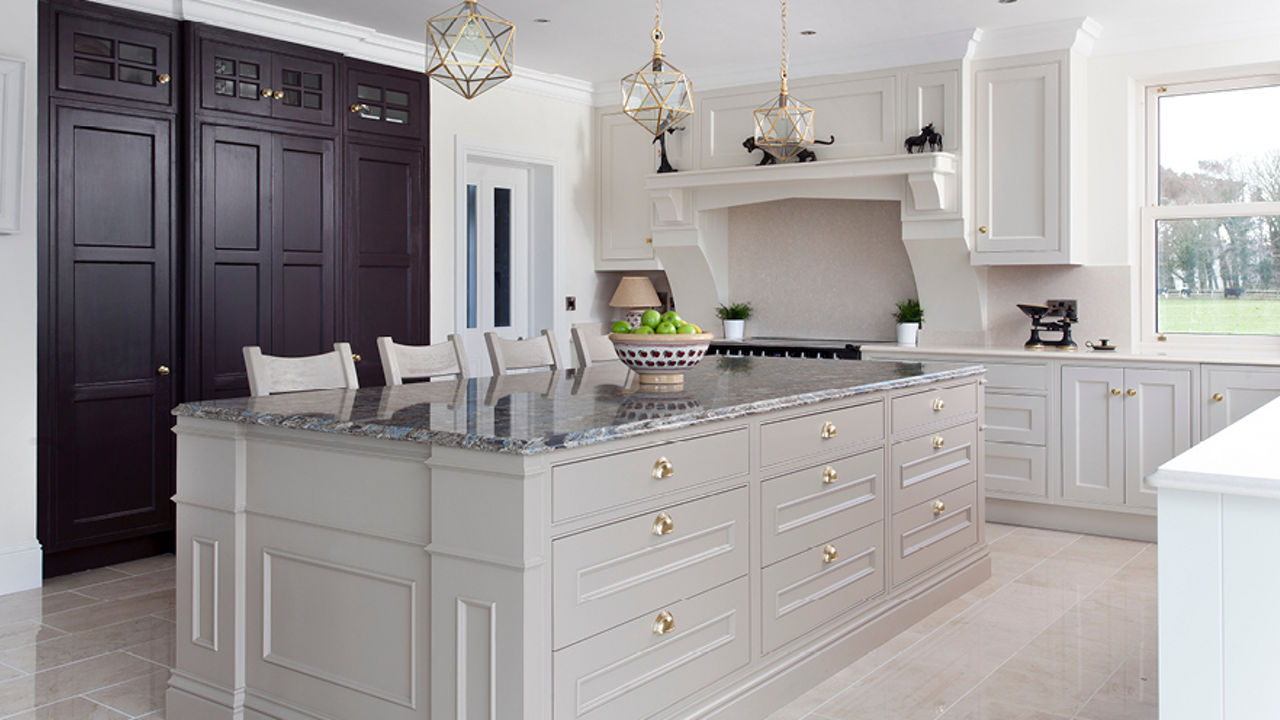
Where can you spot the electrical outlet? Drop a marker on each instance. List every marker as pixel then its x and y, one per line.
pixel 570 302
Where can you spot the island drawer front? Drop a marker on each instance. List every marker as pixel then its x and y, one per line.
pixel 801 509
pixel 932 532
pixel 933 406
pixel 803 437
pixel 806 590
pixel 631 672
pixel 1016 418
pixel 933 464
pixel 1015 376
pixel 1018 469
pixel 604 576
pixel 599 483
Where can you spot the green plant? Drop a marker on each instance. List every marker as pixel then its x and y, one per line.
pixel 734 311
pixel 909 311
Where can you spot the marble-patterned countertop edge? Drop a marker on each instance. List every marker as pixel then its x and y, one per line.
pixel 563 441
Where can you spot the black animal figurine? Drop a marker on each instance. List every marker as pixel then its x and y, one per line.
pixel 664 165
pixel 805 155
pixel 928 136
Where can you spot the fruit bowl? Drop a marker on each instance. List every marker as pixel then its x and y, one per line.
pixel 660 359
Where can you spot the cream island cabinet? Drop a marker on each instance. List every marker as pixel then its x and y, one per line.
pixel 565 545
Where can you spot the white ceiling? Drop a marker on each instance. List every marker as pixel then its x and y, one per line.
pixel 601 40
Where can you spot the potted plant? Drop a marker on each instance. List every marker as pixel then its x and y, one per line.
pixel 909 316
pixel 735 317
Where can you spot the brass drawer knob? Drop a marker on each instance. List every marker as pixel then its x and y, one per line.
pixel 1131 392
pixel 1217 397
pixel 982 229
pixel 266 93
pixel 939 507
pixel 828 430
pixel 162 370
pixel 829 554
pixel 163 78
pixel 663 524
pixel 1115 392
pixel 663 469
pixel 938 442
pixel 664 623
pixel 939 404
pixel 829 475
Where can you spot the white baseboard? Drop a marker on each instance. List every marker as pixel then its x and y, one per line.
pixel 20 568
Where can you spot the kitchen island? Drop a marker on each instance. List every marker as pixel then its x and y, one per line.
pixel 565 545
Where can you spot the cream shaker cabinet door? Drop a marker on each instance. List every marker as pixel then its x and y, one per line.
pixel 1018 159
pixel 1157 418
pixel 1231 393
pixel 1093 462
pixel 626 216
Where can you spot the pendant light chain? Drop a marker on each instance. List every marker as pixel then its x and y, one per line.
pixel 657 28
pixel 783 70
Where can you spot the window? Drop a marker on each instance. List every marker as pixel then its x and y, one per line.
pixel 1211 220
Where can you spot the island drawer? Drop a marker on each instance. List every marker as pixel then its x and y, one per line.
pixel 821 432
pixel 933 464
pixel 599 483
pixel 804 508
pixel 936 405
pixel 1019 469
pixel 1016 376
pixel 1016 418
pixel 634 671
pixel 933 531
pixel 604 576
pixel 808 589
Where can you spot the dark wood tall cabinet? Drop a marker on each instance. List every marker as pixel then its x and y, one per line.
pixel 203 190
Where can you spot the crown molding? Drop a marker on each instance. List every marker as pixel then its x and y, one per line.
pixel 1077 34
pixel 349 39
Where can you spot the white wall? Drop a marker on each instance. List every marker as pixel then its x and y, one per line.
pixel 19 551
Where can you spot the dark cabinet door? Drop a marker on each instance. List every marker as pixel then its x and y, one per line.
pixel 113 233
pixel 304 246
pixel 303 90
pixel 235 78
pixel 386 250
pixel 385 102
pixel 115 60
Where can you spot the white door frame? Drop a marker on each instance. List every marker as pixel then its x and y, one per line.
pixel 545 282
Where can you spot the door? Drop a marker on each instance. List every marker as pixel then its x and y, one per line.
pixel 1157 417
pixel 494 257
pixel 383 102
pixel 303 245
pixel 235 78
pixel 1231 393
pixel 113 235
pixel 114 60
pixel 1093 435
pixel 302 89
pixel 386 251
pixel 626 214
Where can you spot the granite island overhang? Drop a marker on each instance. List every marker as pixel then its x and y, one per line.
pixel 569 545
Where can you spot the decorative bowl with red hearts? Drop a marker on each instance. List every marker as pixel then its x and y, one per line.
pixel 660 359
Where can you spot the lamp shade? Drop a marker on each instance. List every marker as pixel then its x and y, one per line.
pixel 635 292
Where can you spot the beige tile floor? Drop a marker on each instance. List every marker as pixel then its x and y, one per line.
pixel 1065 628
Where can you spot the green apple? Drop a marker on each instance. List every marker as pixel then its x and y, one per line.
pixel 622 326
pixel 650 318
pixel 665 328
pixel 642 330
pixel 687 329
pixel 671 317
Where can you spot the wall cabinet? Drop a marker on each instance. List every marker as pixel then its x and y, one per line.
pixel 624 210
pixel 251 80
pixel 1231 392
pixel 133 60
pixel 384 102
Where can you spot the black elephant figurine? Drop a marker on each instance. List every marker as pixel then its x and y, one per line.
pixel 927 137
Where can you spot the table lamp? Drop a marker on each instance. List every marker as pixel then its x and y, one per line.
pixel 635 293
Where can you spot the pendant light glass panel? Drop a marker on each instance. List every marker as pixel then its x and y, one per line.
pixel 784 126
pixel 470 49
pixel 658 96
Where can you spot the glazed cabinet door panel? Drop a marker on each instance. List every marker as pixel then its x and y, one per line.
pixel 1093 434
pixel 384 102
pixel 1230 393
pixel 115 60
pixel 113 234
pixel 235 78
pixel 302 89
pixel 1157 426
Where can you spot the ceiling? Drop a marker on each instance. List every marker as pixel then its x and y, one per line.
pixel 601 40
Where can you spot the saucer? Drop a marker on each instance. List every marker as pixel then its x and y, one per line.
pixel 1103 347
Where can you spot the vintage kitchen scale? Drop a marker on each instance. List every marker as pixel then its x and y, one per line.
pixel 1055 316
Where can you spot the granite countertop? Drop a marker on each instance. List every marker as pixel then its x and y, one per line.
pixel 545 411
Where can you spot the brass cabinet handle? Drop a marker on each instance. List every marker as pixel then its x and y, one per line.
pixel 982 229
pixel 939 507
pixel 163 78
pixel 356 107
pixel 278 94
pixel 829 554
pixel 1115 391
pixel 1131 392
pixel 938 441
pixel 663 469
pixel 664 623
pixel 939 404
pixel 829 475
pixel 663 524
pixel 162 370
pixel 1217 397
pixel 828 430
pixel 266 93
pixel 355 357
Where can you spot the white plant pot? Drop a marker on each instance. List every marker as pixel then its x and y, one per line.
pixel 733 329
pixel 907 334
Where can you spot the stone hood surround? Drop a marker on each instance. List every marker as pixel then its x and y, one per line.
pixel 690 230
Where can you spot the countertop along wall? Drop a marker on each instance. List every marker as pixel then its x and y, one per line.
pixel 19 550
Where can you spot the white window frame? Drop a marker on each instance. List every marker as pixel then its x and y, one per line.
pixel 1152 212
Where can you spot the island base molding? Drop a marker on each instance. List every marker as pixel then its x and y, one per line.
pixel 1130 526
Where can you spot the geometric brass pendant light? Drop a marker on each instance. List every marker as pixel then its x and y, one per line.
pixel 470 49
pixel 784 125
pixel 657 96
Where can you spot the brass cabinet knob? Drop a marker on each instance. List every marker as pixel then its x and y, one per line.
pixel 938 441
pixel 1217 397
pixel 664 623
pixel 356 107
pixel 278 94
pixel 663 469
pixel 939 507
pixel 355 357
pixel 1131 392
pixel 1115 391
pixel 939 404
pixel 163 78
pixel 829 475
pixel 162 370
pixel 266 93
pixel 648 241
pixel 828 430
pixel 982 229
pixel 829 554
pixel 663 524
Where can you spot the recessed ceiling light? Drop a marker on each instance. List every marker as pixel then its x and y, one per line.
pixel 1006 2
pixel 808 32
pixel 547 20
